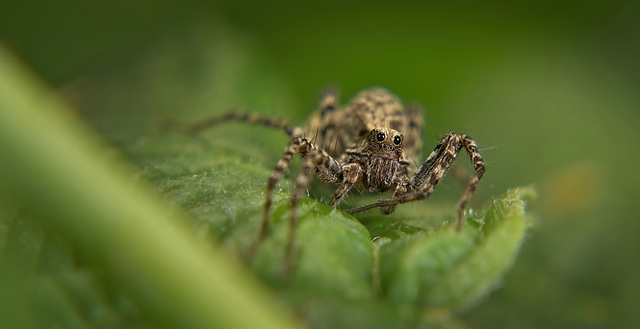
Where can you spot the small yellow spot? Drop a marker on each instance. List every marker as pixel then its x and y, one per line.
pixel 575 187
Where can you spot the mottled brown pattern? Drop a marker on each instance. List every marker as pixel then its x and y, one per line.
pixel 373 141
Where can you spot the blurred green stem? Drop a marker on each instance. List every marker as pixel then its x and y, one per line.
pixel 58 169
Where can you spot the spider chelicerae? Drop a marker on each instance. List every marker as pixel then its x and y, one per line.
pixel 372 141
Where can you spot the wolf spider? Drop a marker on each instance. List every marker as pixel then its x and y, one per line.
pixel 368 142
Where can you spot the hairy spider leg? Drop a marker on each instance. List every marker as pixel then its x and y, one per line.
pixel 314 160
pixel 281 167
pixel 412 137
pixel 273 122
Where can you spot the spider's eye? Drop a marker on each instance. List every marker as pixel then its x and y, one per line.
pixel 397 140
pixel 380 137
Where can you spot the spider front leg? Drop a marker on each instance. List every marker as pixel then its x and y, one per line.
pixel 326 169
pixel 313 160
pixel 432 170
pixel 352 173
pixel 283 164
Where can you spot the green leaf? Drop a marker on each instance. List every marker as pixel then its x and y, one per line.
pixel 333 253
pixel 446 268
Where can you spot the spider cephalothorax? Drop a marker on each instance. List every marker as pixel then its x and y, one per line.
pixel 380 157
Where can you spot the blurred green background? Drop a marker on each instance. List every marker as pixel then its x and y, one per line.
pixel 549 89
